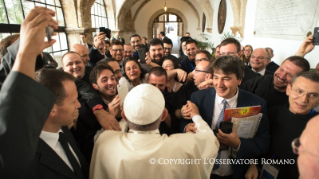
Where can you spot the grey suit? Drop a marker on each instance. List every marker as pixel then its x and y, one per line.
pixel 24 108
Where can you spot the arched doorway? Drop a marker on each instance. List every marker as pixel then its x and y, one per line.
pixel 172 25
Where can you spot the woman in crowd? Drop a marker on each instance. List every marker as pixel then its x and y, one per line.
pixel 245 57
pixel 173 84
pixel 133 75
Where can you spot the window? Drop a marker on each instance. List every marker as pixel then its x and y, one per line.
pixel 14 11
pixel 98 14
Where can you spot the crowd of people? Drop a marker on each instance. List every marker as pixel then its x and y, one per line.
pixel 72 122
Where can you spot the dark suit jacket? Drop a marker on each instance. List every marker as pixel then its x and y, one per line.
pixel 47 164
pixel 24 108
pixel 272 66
pixel 90 45
pixel 249 148
pixel 95 56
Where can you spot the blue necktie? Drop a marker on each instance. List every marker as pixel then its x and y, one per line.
pixel 220 119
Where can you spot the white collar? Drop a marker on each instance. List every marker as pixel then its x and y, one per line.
pixel 231 102
pixel 156 131
pixel 50 138
pixel 262 72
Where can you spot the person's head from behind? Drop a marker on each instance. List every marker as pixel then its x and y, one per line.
pixel 117 50
pixel 103 80
pixel 6 42
pixel 144 108
pixel 230 46
pixel 288 70
pixel 202 55
pixel 135 41
pixel 259 59
pixel 228 73
pixel 170 64
pixel 201 72
pixel 162 34
pixel 72 63
pixel 83 51
pixel 303 93
pixel 156 50
pixel 114 65
pixel 270 51
pixel 168 45
pixel 62 85
pixel 132 70
pixel 128 51
pixel 158 78
pixel 307 148
pixel 191 48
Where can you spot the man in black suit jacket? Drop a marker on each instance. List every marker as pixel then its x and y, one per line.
pixel 52 159
pixel 228 72
pixel 84 41
pixel 97 51
pixel 21 122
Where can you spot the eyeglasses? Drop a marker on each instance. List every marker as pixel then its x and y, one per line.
pixel 301 93
pixel 115 50
pixel 200 71
pixel 261 58
pixel 229 53
pixel 202 59
pixel 295 144
pixel 248 50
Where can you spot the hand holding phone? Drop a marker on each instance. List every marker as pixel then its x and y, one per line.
pixel 316 36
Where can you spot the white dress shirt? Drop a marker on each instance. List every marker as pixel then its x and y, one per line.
pixel 52 139
pixel 262 72
pixel 224 169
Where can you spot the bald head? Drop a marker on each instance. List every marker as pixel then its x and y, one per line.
pixel 259 59
pixel 308 159
pixel 83 51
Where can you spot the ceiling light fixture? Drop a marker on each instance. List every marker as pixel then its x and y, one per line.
pixel 165 8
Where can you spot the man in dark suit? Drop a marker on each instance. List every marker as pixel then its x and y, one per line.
pixel 228 72
pixel 188 64
pixel 21 122
pixel 259 60
pixel 162 35
pixel 84 41
pixel 97 51
pixel 57 155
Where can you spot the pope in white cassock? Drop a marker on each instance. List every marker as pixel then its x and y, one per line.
pixel 144 153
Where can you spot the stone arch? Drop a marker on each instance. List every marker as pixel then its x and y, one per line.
pixel 239 13
pixel 70 13
pixel 110 14
pixel 125 8
pixel 195 12
pixel 161 11
pixel 209 12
